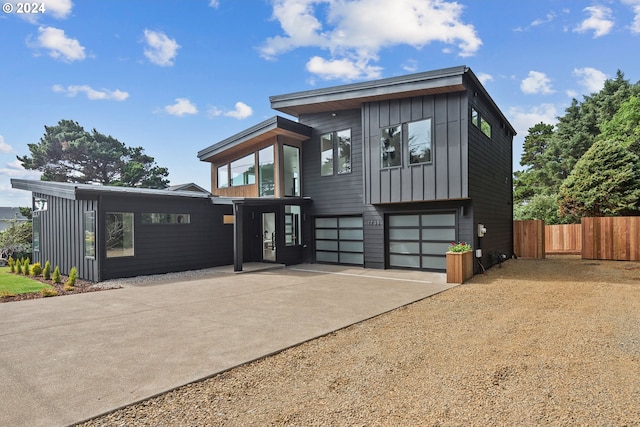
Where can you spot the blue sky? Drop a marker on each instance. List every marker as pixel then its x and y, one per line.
pixel 177 76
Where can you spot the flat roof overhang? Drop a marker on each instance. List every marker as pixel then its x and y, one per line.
pixel 262 131
pixel 352 96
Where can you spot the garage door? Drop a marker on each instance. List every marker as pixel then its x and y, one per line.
pixel 420 240
pixel 340 240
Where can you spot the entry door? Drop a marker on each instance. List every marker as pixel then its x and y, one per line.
pixel 269 236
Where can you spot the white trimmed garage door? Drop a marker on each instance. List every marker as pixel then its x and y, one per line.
pixel 420 240
pixel 340 240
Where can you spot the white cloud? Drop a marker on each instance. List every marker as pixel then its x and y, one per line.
pixel 92 94
pixel 590 78
pixel 4 147
pixel 60 46
pixel 214 3
pixel 410 66
pixel 522 119
pixel 635 6
pixel 182 107
pixel 537 82
pixel 599 20
pixel 484 77
pixel 342 69
pixel 59 9
pixel 14 169
pixel 242 111
pixel 355 31
pixel 160 50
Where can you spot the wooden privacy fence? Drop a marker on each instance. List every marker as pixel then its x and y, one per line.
pixel 616 238
pixel 528 238
pixel 563 239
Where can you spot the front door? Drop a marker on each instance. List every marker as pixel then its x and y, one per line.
pixel 269 236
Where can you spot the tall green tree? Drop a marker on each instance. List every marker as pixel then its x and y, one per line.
pixel 604 182
pixel 68 153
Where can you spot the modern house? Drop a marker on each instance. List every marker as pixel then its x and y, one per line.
pixel 379 174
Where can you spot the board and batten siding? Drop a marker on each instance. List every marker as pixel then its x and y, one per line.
pixel 490 181
pixel 445 177
pixel 62 236
pixel 340 193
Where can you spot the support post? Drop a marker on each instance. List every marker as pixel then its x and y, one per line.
pixel 237 237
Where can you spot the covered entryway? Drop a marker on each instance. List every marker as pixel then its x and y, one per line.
pixel 420 240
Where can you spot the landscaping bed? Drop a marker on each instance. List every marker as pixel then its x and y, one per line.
pixel 536 342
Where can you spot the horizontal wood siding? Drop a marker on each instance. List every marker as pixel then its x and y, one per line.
pixel 162 248
pixel 490 178
pixel 615 238
pixel 62 236
pixel 336 194
pixel 445 177
pixel 563 239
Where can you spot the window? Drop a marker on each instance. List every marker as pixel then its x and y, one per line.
pixel 243 171
pixel 480 122
pixel 391 146
pixel 119 234
pixel 223 176
pixel 344 151
pixel 166 218
pixel 326 154
pixel 265 172
pixel 90 234
pixel 292 225
pixel 291 170
pixel 419 141
pixel 35 238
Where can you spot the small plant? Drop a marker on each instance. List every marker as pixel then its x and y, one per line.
pixel 71 281
pixel 56 275
pixel 19 267
pixel 459 247
pixel 46 273
pixel 25 268
pixel 36 269
pixel 48 292
pixel 12 264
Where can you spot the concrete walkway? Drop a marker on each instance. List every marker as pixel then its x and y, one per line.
pixel 67 359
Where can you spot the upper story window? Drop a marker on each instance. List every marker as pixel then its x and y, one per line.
pixel 479 121
pixel 291 169
pixel 391 146
pixel 266 175
pixel 243 171
pixel 335 145
pixel 419 141
pixel 223 176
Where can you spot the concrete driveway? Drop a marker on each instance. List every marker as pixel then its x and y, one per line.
pixel 64 360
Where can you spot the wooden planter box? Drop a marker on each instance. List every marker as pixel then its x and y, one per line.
pixel 459 266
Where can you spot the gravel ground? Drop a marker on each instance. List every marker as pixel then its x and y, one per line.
pixel 536 342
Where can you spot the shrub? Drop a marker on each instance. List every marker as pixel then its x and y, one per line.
pixel 56 275
pixel 46 273
pixel 12 264
pixel 25 268
pixel 48 292
pixel 71 281
pixel 36 269
pixel 19 267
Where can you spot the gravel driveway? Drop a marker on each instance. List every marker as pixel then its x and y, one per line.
pixel 536 342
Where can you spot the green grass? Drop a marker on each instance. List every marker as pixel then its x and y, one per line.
pixel 16 284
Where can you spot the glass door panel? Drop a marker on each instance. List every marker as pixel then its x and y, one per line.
pixel 269 236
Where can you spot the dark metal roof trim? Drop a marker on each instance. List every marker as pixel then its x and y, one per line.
pixel 273 124
pixel 75 191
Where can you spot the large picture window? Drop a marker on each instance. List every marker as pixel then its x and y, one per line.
pixel 243 171
pixel 335 145
pixel 119 234
pixel 391 146
pixel 90 234
pixel 266 172
pixel 419 141
pixel 223 176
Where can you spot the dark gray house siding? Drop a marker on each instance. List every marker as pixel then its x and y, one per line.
pixel 62 236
